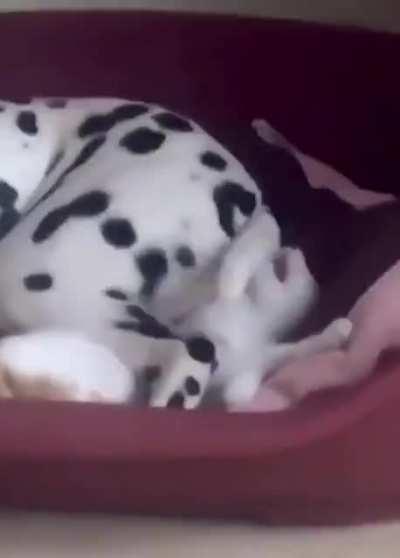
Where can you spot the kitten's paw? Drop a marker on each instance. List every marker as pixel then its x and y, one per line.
pixel 232 280
pixel 241 390
pixel 297 278
pixel 296 263
pixel 258 242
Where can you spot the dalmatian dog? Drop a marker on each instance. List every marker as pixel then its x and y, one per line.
pixel 248 314
pixel 115 217
pixel 112 212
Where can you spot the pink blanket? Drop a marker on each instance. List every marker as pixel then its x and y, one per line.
pixel 375 315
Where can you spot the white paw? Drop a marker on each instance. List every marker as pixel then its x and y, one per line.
pixel 298 277
pixel 296 263
pixel 233 279
pixel 241 389
pixel 259 241
pixel 183 382
pixel 62 365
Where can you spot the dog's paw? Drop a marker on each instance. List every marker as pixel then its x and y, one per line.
pixel 186 376
pixel 62 366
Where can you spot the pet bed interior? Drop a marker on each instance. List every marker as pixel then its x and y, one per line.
pixel 334 92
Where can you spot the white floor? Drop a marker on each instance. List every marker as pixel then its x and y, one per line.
pixel 41 536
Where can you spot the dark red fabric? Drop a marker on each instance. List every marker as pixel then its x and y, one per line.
pixel 335 92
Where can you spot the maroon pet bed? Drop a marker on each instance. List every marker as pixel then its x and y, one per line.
pixel 336 92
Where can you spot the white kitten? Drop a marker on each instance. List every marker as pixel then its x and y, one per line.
pixel 254 309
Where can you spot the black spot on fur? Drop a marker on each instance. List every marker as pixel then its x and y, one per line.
pixel 152 373
pixel 50 224
pixel 192 386
pixel 138 313
pixel 38 282
pixel 126 325
pixel 2 108
pixel 102 123
pixel 87 205
pixel 88 150
pixel 8 195
pixel 27 122
pixel 176 401
pixel 142 141
pixel 172 122
pixel 54 162
pixel 153 265
pixel 213 161
pixel 185 256
pixel 9 216
pixel 22 100
pixel 116 294
pixel 201 349
pixel 144 324
pixel 8 219
pixel 56 103
pixel 179 319
pixel 149 324
pixel 118 232
pixel 229 196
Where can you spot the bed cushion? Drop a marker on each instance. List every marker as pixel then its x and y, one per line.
pixel 333 91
